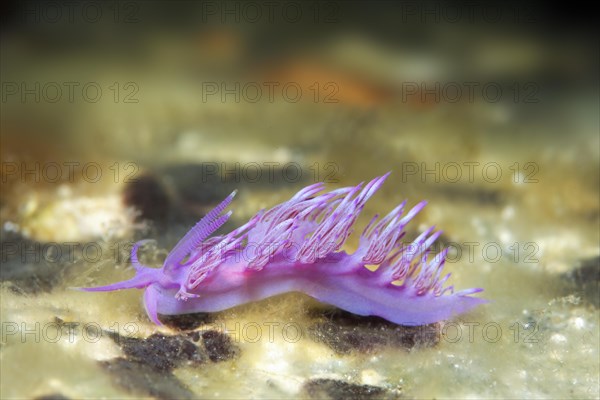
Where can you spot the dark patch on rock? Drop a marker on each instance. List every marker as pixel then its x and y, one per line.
pixel 186 322
pixel 340 390
pixel 149 196
pixel 158 203
pixel 210 182
pixel 195 336
pixel 138 377
pixel 345 332
pixel 219 346
pixel 174 197
pixel 199 183
pixel 159 352
pixel 52 396
pixel 32 267
pixel 149 362
pixel 585 280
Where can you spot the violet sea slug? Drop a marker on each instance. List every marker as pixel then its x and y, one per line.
pixel 296 246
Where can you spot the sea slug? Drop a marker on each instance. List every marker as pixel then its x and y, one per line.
pixel 296 246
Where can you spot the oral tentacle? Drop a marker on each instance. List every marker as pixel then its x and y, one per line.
pixel 152 296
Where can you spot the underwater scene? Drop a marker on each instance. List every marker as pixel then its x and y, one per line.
pixel 299 200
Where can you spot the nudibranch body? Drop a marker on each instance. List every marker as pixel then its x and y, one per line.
pixel 296 246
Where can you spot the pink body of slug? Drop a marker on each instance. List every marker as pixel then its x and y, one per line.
pixel 295 246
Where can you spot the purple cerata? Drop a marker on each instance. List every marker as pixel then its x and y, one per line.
pixel 296 246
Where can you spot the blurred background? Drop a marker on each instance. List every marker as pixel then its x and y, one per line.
pixel 129 119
